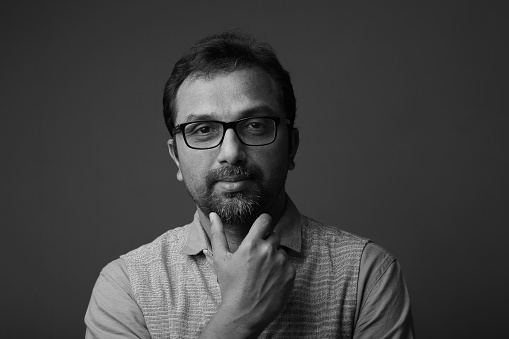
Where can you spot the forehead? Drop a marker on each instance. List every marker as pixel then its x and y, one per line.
pixel 227 96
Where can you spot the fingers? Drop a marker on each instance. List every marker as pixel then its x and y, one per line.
pixel 274 239
pixel 218 240
pixel 262 227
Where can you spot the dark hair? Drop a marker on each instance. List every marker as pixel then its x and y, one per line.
pixel 227 52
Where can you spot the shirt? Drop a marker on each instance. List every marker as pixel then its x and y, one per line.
pixel 381 308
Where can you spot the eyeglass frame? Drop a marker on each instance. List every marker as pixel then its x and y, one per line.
pixel 233 125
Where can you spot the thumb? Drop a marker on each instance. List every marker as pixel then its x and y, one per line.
pixel 219 243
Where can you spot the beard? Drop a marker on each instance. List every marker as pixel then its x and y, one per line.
pixel 235 208
pixel 241 207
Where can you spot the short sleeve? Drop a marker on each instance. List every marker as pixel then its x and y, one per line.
pixel 383 304
pixel 113 311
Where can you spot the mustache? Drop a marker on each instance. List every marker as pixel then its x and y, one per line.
pixel 227 171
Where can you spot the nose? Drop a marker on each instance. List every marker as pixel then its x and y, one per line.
pixel 231 149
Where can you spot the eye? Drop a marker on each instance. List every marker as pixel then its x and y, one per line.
pixel 254 125
pixel 202 128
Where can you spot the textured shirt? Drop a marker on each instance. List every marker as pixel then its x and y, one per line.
pixel 345 287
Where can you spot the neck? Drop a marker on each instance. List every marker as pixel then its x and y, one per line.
pixel 235 233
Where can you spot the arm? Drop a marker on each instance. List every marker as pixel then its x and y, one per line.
pixel 383 307
pixel 255 281
pixel 112 311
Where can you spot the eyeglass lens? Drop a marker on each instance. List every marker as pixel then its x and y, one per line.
pixel 207 134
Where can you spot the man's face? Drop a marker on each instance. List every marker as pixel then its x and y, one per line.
pixel 236 181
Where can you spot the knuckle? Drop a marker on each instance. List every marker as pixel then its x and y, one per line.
pixel 267 247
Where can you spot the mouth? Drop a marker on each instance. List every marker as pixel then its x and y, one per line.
pixel 234 178
pixel 233 183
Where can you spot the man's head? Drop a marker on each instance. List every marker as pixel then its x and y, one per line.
pixel 236 170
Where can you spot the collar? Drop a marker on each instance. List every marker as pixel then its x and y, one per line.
pixel 288 227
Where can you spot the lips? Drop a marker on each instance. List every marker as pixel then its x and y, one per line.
pixel 234 183
pixel 234 178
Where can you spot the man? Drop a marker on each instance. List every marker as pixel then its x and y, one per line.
pixel 249 265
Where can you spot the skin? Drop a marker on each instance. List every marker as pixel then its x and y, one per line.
pixel 253 272
pixel 229 97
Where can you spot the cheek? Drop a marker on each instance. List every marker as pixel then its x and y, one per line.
pixel 274 162
pixel 191 170
pixel 194 167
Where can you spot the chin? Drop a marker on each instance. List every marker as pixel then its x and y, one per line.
pixel 237 207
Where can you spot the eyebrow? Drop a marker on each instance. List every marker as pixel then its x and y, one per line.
pixel 252 111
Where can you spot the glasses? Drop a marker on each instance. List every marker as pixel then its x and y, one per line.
pixel 259 131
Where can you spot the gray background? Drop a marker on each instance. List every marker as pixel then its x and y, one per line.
pixel 402 109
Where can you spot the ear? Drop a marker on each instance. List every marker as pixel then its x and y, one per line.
pixel 292 149
pixel 172 148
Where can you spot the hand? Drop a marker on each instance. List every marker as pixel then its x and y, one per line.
pixel 256 280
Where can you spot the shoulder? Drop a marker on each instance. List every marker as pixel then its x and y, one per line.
pixel 169 243
pixel 379 272
pixel 383 302
pixel 112 310
pixel 376 258
pixel 324 242
pixel 115 271
pixel 113 281
pixel 148 266
pixel 313 231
